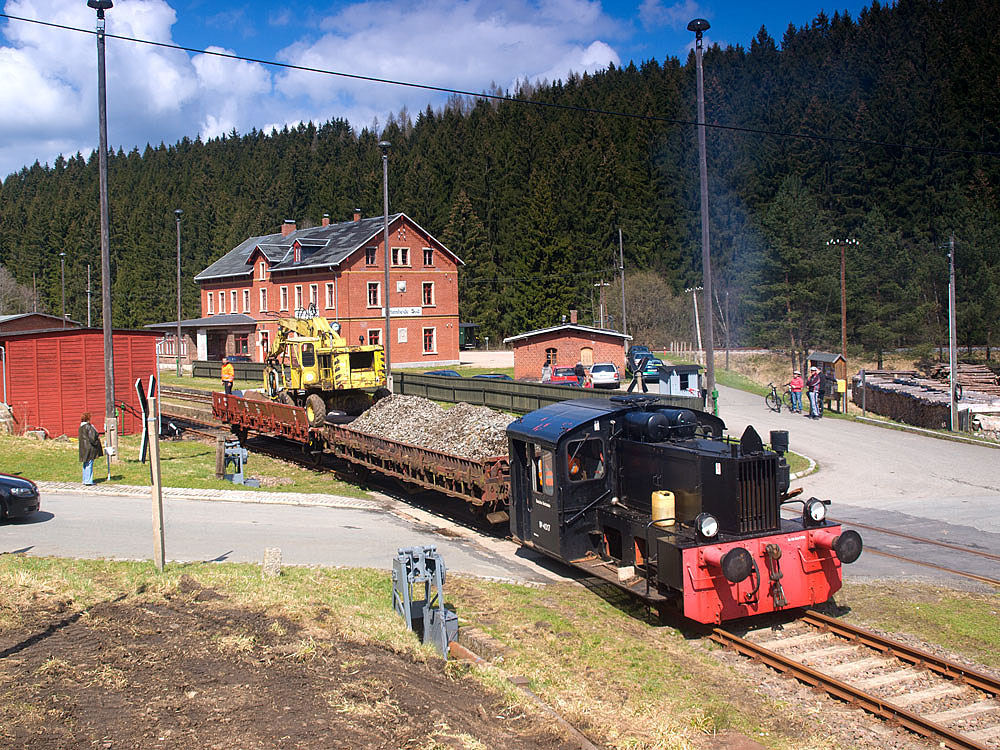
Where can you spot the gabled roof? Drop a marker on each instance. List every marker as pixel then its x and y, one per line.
pixel 567 328
pixel 825 357
pixel 321 247
pixel 18 316
pixel 226 320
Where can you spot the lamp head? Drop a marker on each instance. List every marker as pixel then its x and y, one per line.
pixel 100 6
pixel 384 145
pixel 699 26
pixel 178 212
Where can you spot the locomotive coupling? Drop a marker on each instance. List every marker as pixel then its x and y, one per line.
pixel 846 545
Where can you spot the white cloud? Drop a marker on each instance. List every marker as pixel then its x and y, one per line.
pixel 48 101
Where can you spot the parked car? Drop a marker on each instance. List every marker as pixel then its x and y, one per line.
pixel 494 376
pixel 563 376
pixel 443 373
pixel 605 375
pixel 652 369
pixel 18 497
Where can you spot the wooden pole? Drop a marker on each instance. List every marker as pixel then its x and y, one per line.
pixel 952 343
pixel 153 425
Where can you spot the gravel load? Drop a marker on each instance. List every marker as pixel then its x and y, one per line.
pixel 473 432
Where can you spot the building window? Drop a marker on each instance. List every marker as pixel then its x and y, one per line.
pixel 314 295
pixel 430 341
pixel 401 256
pixel 211 304
pixel 375 336
pixel 242 343
pixel 428 292
pixel 374 296
pixel 298 296
pixel 369 256
pixel 246 300
pixel 232 301
pixel 261 268
pixel 296 253
pixel 283 298
pixel 264 342
pixel 550 356
pixel 263 300
pixel 222 302
pixel 428 256
pixel 331 300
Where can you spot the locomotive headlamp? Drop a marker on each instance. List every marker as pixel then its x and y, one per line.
pixel 815 511
pixel 335 327
pixel 707 525
pixel 309 377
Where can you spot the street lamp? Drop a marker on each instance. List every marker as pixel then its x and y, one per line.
pixel 110 420
pixel 177 216
pixel 843 291
pixel 385 145
pixel 699 26
pixel 697 325
pixel 62 273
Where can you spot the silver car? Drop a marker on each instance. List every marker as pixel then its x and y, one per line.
pixel 605 375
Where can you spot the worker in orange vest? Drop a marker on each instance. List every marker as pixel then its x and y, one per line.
pixel 228 374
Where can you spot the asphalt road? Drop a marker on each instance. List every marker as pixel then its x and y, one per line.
pixel 920 485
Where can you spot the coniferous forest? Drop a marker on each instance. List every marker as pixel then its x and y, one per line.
pixel 883 128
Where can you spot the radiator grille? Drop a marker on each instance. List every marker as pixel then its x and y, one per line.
pixel 758 507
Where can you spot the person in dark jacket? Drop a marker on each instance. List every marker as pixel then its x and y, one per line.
pixel 813 384
pixel 90 448
pixel 580 373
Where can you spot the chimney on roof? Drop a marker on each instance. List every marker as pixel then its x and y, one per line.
pixel 572 317
pixel 326 220
pixel 288 227
pixel 357 214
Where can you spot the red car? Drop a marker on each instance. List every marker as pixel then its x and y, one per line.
pixel 565 376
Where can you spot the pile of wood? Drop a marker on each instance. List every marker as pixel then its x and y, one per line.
pixel 906 400
pixel 971 377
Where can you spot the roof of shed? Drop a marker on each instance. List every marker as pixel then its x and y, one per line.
pixel 567 327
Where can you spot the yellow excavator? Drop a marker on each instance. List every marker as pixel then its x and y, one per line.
pixel 311 365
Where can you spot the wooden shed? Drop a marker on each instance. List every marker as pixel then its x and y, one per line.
pixel 51 377
pixel 833 368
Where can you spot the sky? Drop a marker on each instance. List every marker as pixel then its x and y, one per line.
pixel 48 77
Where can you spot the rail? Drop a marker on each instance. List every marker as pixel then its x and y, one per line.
pixel 935 724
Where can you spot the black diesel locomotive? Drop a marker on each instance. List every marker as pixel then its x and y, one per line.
pixel 656 500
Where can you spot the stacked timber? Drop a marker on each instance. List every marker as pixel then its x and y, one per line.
pixel 473 432
pixel 971 377
pixel 922 402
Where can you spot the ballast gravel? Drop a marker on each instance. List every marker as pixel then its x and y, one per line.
pixel 473 432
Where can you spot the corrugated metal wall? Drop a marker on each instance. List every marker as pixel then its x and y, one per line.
pixel 55 376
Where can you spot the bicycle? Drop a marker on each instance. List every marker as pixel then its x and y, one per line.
pixel 772 399
pixel 786 397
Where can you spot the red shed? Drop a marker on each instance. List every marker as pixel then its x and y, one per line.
pixel 564 346
pixel 51 377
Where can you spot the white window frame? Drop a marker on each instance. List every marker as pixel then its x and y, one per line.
pixel 233 301
pixel 378 293
pixel 298 297
pixel 314 295
pixel 246 300
pixel 428 253
pixel 222 302
pixel 282 298
pixel 374 256
pixel 401 254
pixel 331 296
pixel 263 299
pixel 423 287
pixel 211 303
pixel 262 271
pixel 377 332
pixel 423 339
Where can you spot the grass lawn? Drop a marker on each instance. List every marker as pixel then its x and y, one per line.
pixel 183 463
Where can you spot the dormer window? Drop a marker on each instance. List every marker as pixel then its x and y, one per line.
pixel 296 253
pixel 261 270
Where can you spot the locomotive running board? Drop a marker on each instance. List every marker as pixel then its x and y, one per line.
pixel 608 572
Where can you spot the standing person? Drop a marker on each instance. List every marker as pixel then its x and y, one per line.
pixel 228 374
pixel 90 448
pixel 795 385
pixel 813 384
pixel 580 373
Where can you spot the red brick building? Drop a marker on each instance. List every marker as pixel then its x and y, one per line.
pixel 340 269
pixel 34 321
pixel 564 346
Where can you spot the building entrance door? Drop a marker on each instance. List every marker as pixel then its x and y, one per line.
pixel 587 356
pixel 216 346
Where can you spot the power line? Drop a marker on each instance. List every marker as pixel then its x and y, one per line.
pixel 515 100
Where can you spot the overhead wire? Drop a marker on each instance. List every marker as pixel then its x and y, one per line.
pixel 514 100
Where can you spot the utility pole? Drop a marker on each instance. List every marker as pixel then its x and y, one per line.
pixel 110 419
pixel 600 296
pixel 177 217
pixel 88 295
pixel 952 342
pixel 699 26
pixel 385 145
pixel 843 291
pixel 621 271
pixel 62 275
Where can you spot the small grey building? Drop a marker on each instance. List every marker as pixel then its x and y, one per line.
pixel 680 380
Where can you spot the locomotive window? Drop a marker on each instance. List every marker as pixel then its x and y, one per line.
pixel 542 462
pixel 584 460
pixel 293 355
pixel 308 355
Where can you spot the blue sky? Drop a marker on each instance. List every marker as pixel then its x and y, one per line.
pixel 48 100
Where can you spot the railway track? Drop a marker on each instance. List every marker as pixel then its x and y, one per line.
pixel 942 700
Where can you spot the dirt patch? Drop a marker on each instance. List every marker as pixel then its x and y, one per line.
pixel 191 669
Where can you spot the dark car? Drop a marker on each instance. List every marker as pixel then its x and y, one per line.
pixel 494 376
pixel 635 355
pixel 443 373
pixel 18 497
